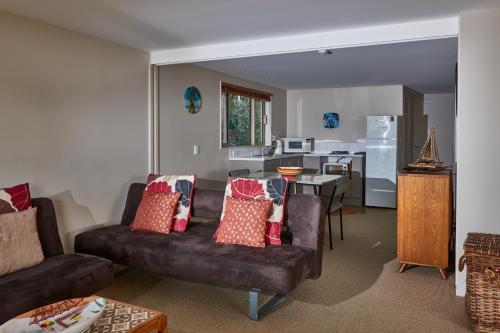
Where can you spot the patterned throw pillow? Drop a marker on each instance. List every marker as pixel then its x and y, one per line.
pixel 15 199
pixel 262 189
pixel 180 184
pixel 244 222
pixel 19 243
pixel 155 212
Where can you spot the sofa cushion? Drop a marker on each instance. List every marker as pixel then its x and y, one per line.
pixel 194 255
pixel 55 279
pixel 47 227
pixel 244 222
pixel 15 199
pixel 19 243
pixel 180 184
pixel 156 211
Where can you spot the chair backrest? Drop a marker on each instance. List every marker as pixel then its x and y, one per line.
pixel 341 186
pixel 239 173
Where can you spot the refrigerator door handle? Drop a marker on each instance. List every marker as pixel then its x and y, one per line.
pixel 376 190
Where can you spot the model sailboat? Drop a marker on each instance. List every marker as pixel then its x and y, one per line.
pixel 429 156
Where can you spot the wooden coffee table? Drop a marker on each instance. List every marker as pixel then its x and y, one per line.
pixel 116 317
pixel 119 317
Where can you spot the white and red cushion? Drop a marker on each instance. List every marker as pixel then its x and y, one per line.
pixel 15 199
pixel 262 189
pixel 171 184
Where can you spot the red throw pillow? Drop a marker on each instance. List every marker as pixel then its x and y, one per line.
pixel 180 184
pixel 262 189
pixel 244 222
pixel 155 212
pixel 15 199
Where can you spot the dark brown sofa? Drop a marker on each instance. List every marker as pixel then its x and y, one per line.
pixel 60 276
pixel 195 256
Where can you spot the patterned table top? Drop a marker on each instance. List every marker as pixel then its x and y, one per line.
pixel 119 317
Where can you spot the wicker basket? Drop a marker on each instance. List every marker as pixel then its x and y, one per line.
pixel 482 299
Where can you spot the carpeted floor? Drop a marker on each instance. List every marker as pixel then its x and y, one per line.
pixel 359 291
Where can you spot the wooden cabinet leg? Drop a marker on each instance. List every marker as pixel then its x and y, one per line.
pixel 442 271
pixel 402 267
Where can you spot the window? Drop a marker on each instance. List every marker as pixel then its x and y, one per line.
pixel 244 116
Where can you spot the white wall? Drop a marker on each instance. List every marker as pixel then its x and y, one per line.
pixel 440 109
pixel 73 120
pixel 180 130
pixel 305 109
pixel 478 134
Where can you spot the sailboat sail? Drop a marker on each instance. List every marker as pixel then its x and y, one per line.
pixel 429 156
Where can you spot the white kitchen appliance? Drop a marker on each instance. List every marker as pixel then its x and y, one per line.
pixel 381 161
pixel 298 145
pixel 277 145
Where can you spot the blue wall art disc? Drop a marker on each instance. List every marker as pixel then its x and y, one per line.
pixel 331 120
pixel 192 99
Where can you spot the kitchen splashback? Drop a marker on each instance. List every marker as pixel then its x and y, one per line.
pixel 326 146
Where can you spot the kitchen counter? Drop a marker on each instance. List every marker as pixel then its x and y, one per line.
pixel 319 154
pixel 262 158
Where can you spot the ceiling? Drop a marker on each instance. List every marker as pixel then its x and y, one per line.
pixel 167 24
pixel 426 66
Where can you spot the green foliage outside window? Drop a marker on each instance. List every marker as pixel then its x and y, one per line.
pixel 239 125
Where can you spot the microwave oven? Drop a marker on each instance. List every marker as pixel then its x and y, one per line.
pixel 298 145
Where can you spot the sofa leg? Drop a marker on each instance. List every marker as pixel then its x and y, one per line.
pixel 254 312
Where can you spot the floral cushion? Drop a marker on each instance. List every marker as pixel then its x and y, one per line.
pixel 15 199
pixel 155 212
pixel 262 189
pixel 170 184
pixel 244 222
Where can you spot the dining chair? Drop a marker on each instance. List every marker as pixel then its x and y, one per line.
pixel 239 173
pixel 335 203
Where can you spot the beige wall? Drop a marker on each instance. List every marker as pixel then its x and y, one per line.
pixel 180 130
pixel 478 184
pixel 305 109
pixel 73 120
pixel 440 109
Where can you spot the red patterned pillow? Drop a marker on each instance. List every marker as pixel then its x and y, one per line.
pixel 262 189
pixel 15 199
pixel 179 184
pixel 155 212
pixel 244 222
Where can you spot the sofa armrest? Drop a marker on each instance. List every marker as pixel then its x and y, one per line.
pixel 305 215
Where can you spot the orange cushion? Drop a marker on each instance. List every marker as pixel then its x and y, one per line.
pixel 244 222
pixel 155 212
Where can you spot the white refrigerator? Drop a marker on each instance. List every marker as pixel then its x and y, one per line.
pixel 381 161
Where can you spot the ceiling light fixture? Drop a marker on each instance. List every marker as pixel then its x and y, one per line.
pixel 325 52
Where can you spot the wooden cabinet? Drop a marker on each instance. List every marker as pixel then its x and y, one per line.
pixel 425 207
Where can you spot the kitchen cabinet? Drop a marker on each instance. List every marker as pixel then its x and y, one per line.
pixel 425 207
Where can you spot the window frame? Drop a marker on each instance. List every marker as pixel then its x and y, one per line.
pixel 227 89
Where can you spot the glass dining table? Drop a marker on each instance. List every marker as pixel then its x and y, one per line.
pixel 315 180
